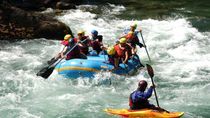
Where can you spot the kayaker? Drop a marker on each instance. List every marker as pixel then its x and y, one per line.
pixel 84 42
pixel 139 98
pixel 72 50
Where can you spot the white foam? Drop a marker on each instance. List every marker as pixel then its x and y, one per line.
pixel 179 52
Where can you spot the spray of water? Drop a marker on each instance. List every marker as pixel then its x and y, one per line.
pixel 179 54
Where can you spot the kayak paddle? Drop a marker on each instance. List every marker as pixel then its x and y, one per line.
pixel 145 46
pixel 151 74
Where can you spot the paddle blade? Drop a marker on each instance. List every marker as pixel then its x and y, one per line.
pixel 150 70
pixel 52 61
pixel 45 72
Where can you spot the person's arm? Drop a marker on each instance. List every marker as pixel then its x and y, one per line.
pixel 148 94
pixel 88 40
pixel 134 51
pixel 80 44
pixel 63 52
pixel 140 45
pixel 116 62
pixel 126 57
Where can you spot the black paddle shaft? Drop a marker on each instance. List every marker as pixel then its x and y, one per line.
pixel 151 74
pixel 145 46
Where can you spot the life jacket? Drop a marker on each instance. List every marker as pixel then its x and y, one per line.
pixel 84 48
pixel 75 40
pixel 94 38
pixel 74 53
pixel 96 45
pixel 138 103
pixel 111 51
pixel 132 38
pixel 129 49
pixel 135 38
pixel 87 41
pixel 120 51
pixel 65 43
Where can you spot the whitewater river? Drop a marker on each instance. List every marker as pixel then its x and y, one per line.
pixel 180 59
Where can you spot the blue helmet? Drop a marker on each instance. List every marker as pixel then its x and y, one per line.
pixel 95 32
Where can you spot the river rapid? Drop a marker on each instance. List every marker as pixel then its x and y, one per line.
pixel 178 50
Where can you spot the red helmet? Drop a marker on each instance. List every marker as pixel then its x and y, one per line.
pixel 142 85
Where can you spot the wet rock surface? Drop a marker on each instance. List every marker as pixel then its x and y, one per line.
pixel 23 20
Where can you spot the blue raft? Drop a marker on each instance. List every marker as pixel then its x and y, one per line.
pixel 76 68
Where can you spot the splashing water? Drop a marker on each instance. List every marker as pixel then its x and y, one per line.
pixel 180 58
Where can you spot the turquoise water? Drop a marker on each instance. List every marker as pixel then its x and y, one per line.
pixel 180 59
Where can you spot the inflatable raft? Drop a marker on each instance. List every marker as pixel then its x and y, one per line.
pixel 76 68
pixel 144 113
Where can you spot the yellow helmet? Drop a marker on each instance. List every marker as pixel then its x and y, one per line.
pixel 81 32
pixel 122 40
pixel 67 37
pixel 111 50
pixel 134 25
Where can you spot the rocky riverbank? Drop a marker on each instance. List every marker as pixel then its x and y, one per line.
pixel 22 19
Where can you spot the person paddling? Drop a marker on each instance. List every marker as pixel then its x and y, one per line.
pixel 75 53
pixel 139 98
pixel 132 36
pixel 84 42
pixel 64 43
pixel 111 53
pixel 96 42
pixel 123 52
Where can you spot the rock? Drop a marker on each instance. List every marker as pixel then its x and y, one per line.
pixel 64 6
pixel 40 5
pixel 76 2
pixel 19 24
pixel 52 30
pixel 21 19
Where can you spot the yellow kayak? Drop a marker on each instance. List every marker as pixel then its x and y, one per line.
pixel 144 113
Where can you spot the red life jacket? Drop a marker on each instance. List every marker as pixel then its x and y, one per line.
pixel 133 39
pixel 129 36
pixel 65 42
pixel 87 41
pixel 75 53
pixel 120 51
pixel 96 45
pixel 130 101
pixel 75 40
pixel 84 45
